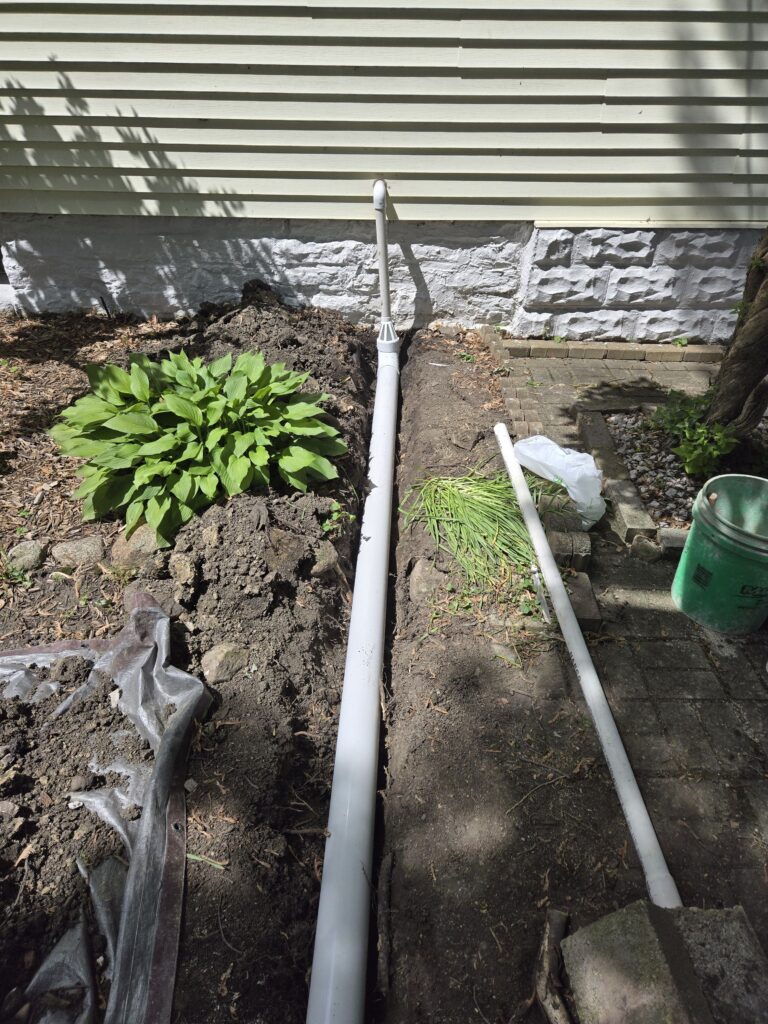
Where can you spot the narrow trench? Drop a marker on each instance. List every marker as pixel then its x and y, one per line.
pixel 375 1004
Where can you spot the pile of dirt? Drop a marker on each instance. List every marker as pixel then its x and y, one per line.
pixel 258 589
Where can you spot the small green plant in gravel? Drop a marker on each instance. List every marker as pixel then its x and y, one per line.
pixel 166 439
pixel 700 445
pixel 336 518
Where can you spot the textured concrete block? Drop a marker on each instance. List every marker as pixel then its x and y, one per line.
pixel 596 439
pixel 619 248
pixel 644 286
pixel 574 286
pixel 582 551
pixel 541 349
pixel 710 287
pixel 706 248
pixel 553 247
pixel 515 348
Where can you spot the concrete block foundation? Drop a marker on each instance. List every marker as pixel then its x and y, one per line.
pixel 546 283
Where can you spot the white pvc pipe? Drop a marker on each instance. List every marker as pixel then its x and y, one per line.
pixel 661 885
pixel 337 988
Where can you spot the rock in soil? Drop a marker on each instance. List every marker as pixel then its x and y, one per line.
pixel 28 555
pixel 82 551
pixel 223 662
pixel 133 552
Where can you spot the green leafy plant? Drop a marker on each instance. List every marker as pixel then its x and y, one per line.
pixel 336 518
pixel 12 575
pixel 168 438
pixel 701 445
pixel 680 342
pixel 466 357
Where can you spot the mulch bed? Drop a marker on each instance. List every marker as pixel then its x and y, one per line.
pixel 267 573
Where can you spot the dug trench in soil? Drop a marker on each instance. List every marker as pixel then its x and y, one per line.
pixel 497 802
pixel 259 587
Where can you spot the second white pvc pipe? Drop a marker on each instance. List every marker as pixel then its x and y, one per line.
pixel 661 885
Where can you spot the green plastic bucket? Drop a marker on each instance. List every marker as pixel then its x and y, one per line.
pixel 722 578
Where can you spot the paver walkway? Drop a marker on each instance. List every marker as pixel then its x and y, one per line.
pixel 691 705
pixel 541 394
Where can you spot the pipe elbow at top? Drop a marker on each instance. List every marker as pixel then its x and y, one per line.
pixel 380 194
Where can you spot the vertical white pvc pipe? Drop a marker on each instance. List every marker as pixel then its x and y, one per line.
pixel 337 988
pixel 661 885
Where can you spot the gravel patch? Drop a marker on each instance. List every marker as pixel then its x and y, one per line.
pixel 667 491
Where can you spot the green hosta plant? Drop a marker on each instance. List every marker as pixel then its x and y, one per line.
pixel 167 439
pixel 701 445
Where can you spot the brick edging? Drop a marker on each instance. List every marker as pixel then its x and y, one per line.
pixel 506 348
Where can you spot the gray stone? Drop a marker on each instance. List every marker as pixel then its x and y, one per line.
pixel 553 247
pixel 82 551
pixel 644 548
pixel 326 560
pixel 28 555
pixel 425 581
pixel 583 602
pixel 224 661
pixel 672 541
pixel 182 568
pixel 134 552
pixel 80 782
pixel 630 968
pixel 8 809
pixel 284 551
pixel 628 516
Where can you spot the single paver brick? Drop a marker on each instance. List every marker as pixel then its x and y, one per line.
pixel 664 354
pixel 583 601
pixel 545 349
pixel 515 349
pixel 629 517
pixel 586 350
pixel 702 354
pixel 624 350
pixel 670 654
pixel 680 683
pixel 672 541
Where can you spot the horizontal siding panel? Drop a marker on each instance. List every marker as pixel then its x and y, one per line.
pixel 366 25
pixel 535 138
pixel 165 81
pixel 164 180
pixel 748 214
pixel 562 56
pixel 500 8
pixel 17 158
pixel 572 111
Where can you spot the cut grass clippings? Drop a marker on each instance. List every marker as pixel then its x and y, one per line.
pixel 478 520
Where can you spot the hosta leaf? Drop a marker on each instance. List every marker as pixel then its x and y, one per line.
pixel 193 451
pixel 208 485
pixel 108 381
pixel 215 410
pixel 183 408
pixel 150 470
pixel 214 437
pixel 133 516
pixel 84 447
pixel 133 423
pixel 184 488
pixel 156 510
pixel 299 461
pixel 243 442
pixel 235 387
pixel 90 484
pixel 110 495
pixel 251 366
pixel 158 447
pixel 327 445
pixel 89 409
pixel 259 456
pixel 220 367
pixel 237 475
pixel 139 383
pixel 296 409
pixel 119 456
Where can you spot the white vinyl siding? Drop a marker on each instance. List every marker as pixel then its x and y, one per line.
pixel 563 112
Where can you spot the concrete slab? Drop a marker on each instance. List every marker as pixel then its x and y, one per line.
pixel 646 965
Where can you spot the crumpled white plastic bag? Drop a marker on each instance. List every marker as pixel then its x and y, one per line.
pixel 576 471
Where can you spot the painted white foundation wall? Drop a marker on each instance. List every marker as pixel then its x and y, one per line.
pixel 645 285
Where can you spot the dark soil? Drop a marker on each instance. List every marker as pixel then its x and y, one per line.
pixel 269 573
pixel 497 803
pixel 44 763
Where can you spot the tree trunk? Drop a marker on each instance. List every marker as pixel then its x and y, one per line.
pixel 740 395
